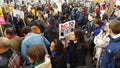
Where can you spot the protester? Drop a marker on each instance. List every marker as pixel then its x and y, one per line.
pixel 9 57
pixel 15 41
pixel 113 46
pixel 78 49
pixel 32 39
pixel 101 41
pixel 36 55
pixel 58 56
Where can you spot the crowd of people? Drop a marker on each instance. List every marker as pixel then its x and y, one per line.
pixel 34 42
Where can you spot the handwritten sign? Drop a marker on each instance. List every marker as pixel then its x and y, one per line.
pixel 66 28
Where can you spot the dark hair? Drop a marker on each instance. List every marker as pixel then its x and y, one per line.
pixel 105 17
pixel 99 22
pixel 80 37
pixel 115 26
pixel 117 59
pixel 26 29
pixel 97 16
pixel 36 53
pixel 59 46
pixel 51 21
pixel 29 16
pixel 10 31
pixel 92 15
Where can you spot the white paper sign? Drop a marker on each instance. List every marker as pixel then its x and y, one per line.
pixel 66 28
pixel 118 2
pixel 59 5
pixel 22 14
pixel 16 13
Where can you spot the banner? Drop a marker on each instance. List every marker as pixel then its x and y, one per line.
pixel 66 28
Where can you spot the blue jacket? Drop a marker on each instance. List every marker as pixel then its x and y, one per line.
pixel 33 39
pixel 97 31
pixel 108 58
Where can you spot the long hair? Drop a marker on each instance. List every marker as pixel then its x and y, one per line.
pixel 59 46
pixel 80 37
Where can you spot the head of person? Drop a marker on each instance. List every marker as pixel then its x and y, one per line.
pixel 29 18
pixel 117 13
pixel 4 43
pixel 97 16
pixel 98 23
pixel 9 32
pixel 90 16
pixel 26 30
pixel 35 30
pixel 36 53
pixel 57 46
pixel 114 27
pixel 106 27
pixel 105 17
pixel 77 36
pixel 51 21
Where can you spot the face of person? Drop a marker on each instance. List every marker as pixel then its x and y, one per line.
pixel 52 47
pixel 106 27
pixel 72 36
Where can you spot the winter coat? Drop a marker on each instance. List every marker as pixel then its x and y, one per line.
pixel 111 49
pixel 77 55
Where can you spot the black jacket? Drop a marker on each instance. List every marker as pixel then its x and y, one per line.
pixel 77 53
pixel 59 61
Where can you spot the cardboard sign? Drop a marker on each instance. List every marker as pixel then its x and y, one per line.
pixel 66 28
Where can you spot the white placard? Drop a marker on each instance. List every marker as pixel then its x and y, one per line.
pixel 16 13
pixel 118 2
pixel 59 5
pixel 66 28
pixel 22 14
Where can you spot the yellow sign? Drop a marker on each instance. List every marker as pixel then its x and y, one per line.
pixel 1 13
pixel 101 0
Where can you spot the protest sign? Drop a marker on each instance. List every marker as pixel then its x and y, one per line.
pixel 16 13
pixel 66 28
pixel 59 5
pixel 22 14
pixel 118 2
pixel 2 21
